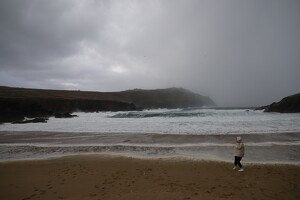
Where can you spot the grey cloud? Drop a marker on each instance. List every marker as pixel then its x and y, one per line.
pixel 241 53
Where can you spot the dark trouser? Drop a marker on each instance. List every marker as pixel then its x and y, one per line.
pixel 237 161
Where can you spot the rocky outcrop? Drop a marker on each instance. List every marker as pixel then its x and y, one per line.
pixel 290 104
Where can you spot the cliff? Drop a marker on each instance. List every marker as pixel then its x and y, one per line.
pixel 290 104
pixel 18 103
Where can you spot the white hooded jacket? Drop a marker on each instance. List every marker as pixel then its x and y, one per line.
pixel 239 148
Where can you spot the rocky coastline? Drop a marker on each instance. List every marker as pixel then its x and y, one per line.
pixel 289 104
pixel 19 104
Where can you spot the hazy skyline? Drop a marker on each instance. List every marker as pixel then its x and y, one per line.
pixel 238 52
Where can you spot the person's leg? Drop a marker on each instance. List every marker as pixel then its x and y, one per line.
pixel 235 162
pixel 239 162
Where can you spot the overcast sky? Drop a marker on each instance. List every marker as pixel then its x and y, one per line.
pixel 238 52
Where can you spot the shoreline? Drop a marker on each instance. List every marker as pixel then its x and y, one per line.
pixel 260 148
pixel 115 177
pixel 143 133
pixel 149 158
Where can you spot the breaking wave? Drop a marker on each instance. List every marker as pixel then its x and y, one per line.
pixel 170 114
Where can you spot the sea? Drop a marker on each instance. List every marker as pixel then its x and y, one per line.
pixel 193 133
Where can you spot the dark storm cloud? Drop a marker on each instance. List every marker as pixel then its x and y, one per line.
pixel 238 52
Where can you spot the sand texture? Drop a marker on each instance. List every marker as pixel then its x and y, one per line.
pixel 103 177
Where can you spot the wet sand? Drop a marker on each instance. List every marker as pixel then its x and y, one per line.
pixel 98 177
pixel 260 148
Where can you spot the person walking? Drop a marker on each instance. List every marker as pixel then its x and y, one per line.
pixel 239 152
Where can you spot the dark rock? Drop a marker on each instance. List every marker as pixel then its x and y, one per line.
pixel 290 104
pixel 64 115
pixel 35 120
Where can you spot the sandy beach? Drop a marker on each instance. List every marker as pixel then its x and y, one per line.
pixel 98 177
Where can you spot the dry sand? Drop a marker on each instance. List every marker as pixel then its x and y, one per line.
pixel 103 177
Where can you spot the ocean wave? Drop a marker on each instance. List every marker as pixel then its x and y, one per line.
pixel 198 121
pixel 159 114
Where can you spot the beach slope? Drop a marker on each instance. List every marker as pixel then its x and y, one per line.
pixel 105 177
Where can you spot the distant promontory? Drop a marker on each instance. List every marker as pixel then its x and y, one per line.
pixel 16 104
pixel 289 104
